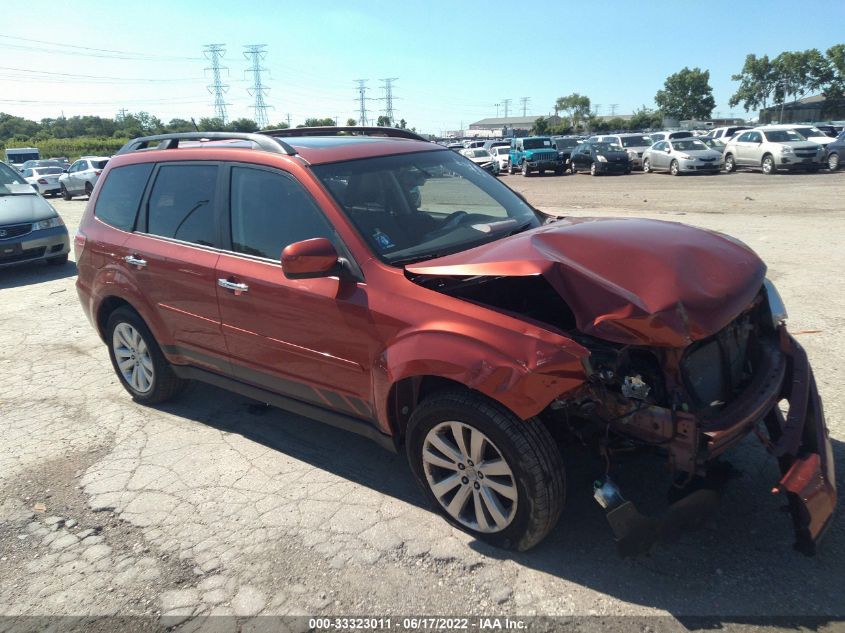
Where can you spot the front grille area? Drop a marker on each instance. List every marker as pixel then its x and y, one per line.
pixel 14 230
pixel 805 153
pixel 28 253
pixel 717 369
pixel 538 156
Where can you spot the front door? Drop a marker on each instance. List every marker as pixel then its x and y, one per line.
pixel 307 339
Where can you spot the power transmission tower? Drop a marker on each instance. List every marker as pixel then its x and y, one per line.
pixel 596 109
pixel 214 53
pixel 388 97
pixel 506 103
pixel 288 118
pixel 613 107
pixel 524 101
pixel 362 101
pixel 497 109
pixel 255 53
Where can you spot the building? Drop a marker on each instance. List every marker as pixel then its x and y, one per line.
pixel 507 126
pixel 805 110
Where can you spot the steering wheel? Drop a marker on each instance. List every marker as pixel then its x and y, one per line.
pixel 452 222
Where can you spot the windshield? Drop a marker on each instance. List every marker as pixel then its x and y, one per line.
pixel 47 171
pixel 807 132
pixel 413 207
pixel 607 147
pixel 12 183
pixel 566 143
pixel 477 153
pixel 689 145
pixel 783 136
pixel 536 143
pixel 635 141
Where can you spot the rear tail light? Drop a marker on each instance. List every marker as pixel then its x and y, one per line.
pixel 42 181
pixel 97 172
pixel 79 244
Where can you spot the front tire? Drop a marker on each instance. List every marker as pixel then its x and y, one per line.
pixel 66 194
pixel 526 171
pixel 675 168
pixel 768 165
pixel 137 359
pixel 485 470
pixel 730 164
pixel 646 166
pixel 593 170
pixel 833 161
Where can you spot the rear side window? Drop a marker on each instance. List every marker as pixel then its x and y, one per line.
pixel 99 164
pixel 121 194
pixel 271 210
pixel 181 204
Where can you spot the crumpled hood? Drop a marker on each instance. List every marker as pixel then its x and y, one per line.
pixel 629 281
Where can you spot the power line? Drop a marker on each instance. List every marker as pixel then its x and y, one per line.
pixel 524 101
pixel 93 52
pixel 214 53
pixel 255 53
pixel 388 97
pixel 362 101
pixel 104 77
pixel 506 103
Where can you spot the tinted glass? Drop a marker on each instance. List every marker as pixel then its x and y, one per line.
pixel 565 143
pixel 783 136
pixel 270 211
pixel 181 205
pixel 635 141
pixel 537 143
pixel 121 194
pixel 99 164
pixel 689 145
pixel 744 138
pixel 47 171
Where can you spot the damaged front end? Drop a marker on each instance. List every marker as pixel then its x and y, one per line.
pixel 710 397
pixel 688 355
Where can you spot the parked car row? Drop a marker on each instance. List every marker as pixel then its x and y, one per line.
pixel 58 176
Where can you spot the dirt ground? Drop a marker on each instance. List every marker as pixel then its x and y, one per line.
pixel 213 505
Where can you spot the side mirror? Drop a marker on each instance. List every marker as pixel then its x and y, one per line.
pixel 64 171
pixel 310 259
pixel 668 150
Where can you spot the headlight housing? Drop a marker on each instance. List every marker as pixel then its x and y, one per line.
pixel 601 159
pixel 786 149
pixel 49 223
pixel 776 307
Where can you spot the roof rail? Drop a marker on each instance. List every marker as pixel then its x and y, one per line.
pixel 351 130
pixel 171 141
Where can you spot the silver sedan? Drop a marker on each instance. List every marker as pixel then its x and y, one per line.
pixel 681 156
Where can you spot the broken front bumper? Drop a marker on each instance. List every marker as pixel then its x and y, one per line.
pixel 799 440
pixel 801 443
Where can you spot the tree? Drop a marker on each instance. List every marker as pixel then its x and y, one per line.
pixel 384 121
pixel 179 125
pixel 351 122
pixel 403 124
pixel 834 86
pixel 277 126
pixel 686 95
pixel 207 124
pixel 242 125
pixel 540 127
pixel 798 72
pixel 756 83
pixel 575 107
pixel 314 122
pixel 645 118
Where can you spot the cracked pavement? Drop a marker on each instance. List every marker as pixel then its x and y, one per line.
pixel 217 505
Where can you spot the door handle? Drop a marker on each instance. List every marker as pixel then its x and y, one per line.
pixel 238 288
pixel 135 261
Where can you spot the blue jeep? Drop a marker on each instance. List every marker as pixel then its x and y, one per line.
pixel 535 153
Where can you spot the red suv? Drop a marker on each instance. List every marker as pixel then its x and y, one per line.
pixel 386 285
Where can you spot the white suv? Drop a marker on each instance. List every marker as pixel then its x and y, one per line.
pixel 79 179
pixel 770 148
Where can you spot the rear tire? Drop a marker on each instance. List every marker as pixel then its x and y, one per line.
pixel 88 189
pixel 520 499
pixel 137 359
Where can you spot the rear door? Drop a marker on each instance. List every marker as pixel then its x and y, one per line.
pixel 173 255
pixel 309 339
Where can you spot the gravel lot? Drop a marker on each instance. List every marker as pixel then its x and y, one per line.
pixel 216 505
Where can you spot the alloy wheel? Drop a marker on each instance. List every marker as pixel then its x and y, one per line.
pixel 133 358
pixel 470 477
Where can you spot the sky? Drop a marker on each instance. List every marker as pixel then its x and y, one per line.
pixel 454 60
